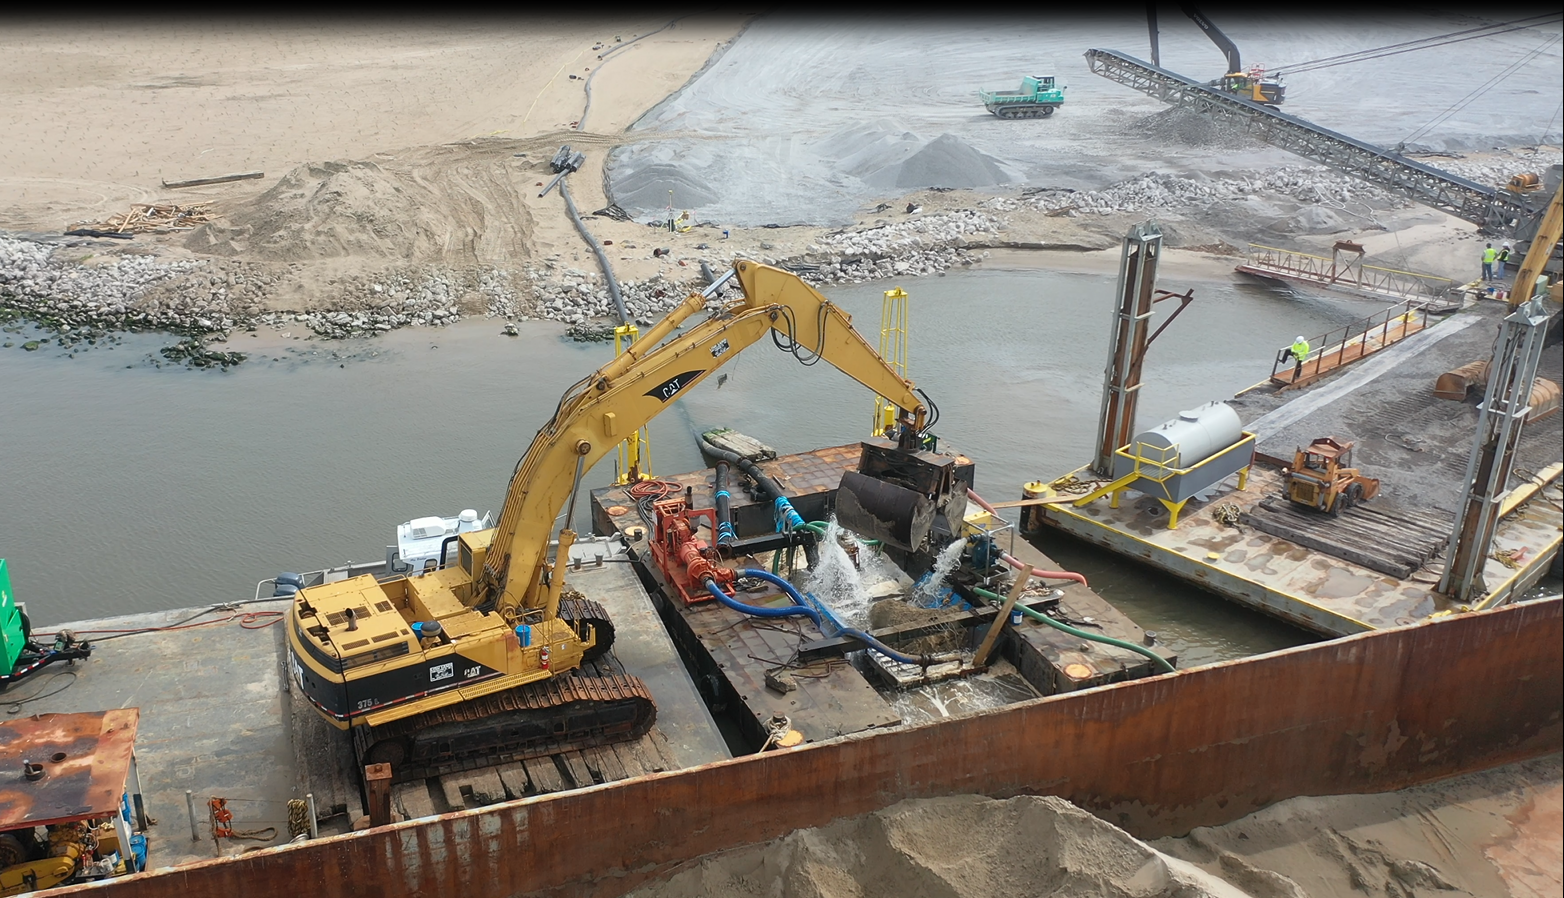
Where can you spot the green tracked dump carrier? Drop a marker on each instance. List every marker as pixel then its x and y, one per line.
pixel 1037 97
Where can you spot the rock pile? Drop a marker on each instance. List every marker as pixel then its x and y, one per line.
pixel 1306 184
pixel 919 246
pixel 576 297
pixel 128 294
pixel 141 292
pixel 1497 171
pixel 387 300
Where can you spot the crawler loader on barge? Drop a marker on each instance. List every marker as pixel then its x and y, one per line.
pixel 480 662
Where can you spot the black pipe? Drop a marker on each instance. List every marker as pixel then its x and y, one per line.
pixel 446 544
pixel 597 250
pixel 772 488
pixel 725 534
pixel 767 484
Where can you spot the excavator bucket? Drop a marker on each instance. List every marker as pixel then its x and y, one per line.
pixel 875 509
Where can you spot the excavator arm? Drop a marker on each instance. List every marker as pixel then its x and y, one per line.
pixel 1222 41
pixel 1542 243
pixel 610 405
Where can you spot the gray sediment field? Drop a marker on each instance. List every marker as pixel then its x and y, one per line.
pixel 806 120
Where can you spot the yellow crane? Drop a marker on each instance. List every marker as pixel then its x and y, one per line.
pixel 459 666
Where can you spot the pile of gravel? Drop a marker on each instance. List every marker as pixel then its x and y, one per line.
pixel 1187 127
pixel 1497 171
pixel 1154 190
pixel 577 297
pixel 912 248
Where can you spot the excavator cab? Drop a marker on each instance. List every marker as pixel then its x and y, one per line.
pixel 1253 85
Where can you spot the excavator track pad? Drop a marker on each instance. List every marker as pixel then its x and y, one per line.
pixel 582 613
pixel 568 712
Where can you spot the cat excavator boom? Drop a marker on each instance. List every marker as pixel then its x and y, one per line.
pixel 477 662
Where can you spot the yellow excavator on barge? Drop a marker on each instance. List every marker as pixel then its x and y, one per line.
pixel 479 662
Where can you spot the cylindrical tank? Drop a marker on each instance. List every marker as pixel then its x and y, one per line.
pixel 1198 433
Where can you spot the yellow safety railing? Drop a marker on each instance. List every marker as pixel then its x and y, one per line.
pixel 893 349
pixel 635 453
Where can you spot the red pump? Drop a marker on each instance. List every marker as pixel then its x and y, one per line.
pixel 685 559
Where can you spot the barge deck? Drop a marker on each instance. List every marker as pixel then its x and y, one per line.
pixel 219 718
pixel 1377 565
pixel 758 668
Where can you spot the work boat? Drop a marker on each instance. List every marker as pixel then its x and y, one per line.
pixel 421 542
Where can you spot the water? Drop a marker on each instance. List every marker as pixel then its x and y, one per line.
pixel 138 489
pixel 837 582
pixel 932 590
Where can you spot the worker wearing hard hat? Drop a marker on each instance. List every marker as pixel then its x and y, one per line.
pixel 1489 255
pixel 1499 260
pixel 1299 350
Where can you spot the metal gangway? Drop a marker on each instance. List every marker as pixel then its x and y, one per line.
pixel 1491 208
pixel 1345 271
pixel 1341 347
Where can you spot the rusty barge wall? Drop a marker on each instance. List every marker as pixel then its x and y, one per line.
pixel 1367 713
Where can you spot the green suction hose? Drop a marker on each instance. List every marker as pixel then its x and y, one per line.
pixel 1161 662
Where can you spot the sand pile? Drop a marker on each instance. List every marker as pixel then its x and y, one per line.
pixel 945 161
pixel 963 846
pixel 422 207
pixel 1495 832
pixel 827 174
pixel 863 150
pixel 656 185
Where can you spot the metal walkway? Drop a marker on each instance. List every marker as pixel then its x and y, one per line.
pixel 1345 271
pixel 1489 207
pixel 1345 345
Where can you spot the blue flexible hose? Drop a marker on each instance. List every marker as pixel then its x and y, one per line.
pixel 800 605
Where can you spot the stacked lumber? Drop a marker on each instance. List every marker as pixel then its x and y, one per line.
pixel 1389 541
pixel 146 218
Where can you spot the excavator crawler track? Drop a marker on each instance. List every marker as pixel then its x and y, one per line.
pixel 581 613
pixel 567 712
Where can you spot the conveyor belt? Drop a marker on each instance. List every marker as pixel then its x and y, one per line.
pixel 1491 208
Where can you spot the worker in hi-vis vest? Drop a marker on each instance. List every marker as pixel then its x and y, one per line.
pixel 1489 255
pixel 1300 353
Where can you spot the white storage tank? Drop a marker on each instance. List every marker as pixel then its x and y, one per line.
pixel 1198 433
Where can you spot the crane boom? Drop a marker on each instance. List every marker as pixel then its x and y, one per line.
pixel 635 387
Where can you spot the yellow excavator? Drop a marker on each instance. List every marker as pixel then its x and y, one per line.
pixel 477 663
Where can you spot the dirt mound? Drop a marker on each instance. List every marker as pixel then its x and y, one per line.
pixel 424 206
pixel 945 161
pixel 964 846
